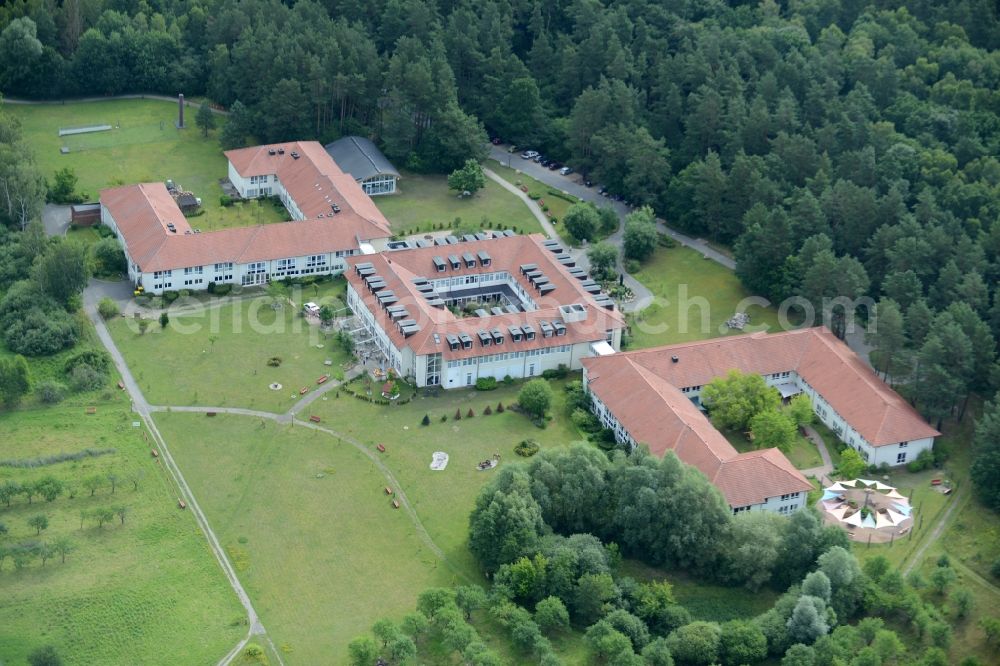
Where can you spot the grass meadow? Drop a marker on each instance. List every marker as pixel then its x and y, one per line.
pixel 129 593
pixel 803 453
pixel 144 146
pixel 218 355
pixel 424 201
pixel 308 525
pixel 693 299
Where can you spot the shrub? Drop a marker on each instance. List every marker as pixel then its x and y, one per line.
pixel 185 293
pixel 426 420
pixel 922 462
pixel 107 308
pixel 109 258
pixel 469 414
pixel 508 380
pixel 95 358
pixel 50 392
pixel 663 240
pixel 487 411
pixel 86 378
pixel 274 361
pixel 169 296
pixel 526 448
pixel 499 408
pixel 210 288
pixel 444 417
pixel 559 372
pixel 223 289
pixel 38 333
pixel 458 415
pixel 632 266
pixel 486 383
pixel 225 201
pixel 164 319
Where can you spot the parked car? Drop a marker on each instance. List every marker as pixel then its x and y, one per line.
pixel 588 183
pixel 538 158
pixel 496 141
pixel 566 170
pixel 555 165
pixel 529 154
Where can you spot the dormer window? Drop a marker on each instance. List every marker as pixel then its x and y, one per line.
pixel 497 336
pixel 454 261
pixel 485 339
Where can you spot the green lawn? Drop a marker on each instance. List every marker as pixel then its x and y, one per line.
pixel 218 356
pixel 308 526
pixel 424 202
pixel 558 205
pixel 803 453
pixel 706 601
pixel 128 594
pixel 443 500
pixel 144 147
pixel 693 299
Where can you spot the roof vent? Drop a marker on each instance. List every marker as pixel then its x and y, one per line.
pixel 271 151
pixel 281 151
pixel 674 359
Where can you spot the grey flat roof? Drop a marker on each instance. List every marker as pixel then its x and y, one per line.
pixel 360 157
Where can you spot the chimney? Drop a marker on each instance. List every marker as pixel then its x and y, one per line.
pixel 180 111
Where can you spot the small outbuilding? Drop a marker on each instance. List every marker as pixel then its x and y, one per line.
pixel 361 158
pixel 85 214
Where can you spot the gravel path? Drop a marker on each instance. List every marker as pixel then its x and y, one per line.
pixel 826 468
pixel 141 407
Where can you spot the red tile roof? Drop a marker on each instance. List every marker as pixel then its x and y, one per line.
pixel 399 268
pixel 863 400
pixel 143 211
pixel 313 180
pixel 657 414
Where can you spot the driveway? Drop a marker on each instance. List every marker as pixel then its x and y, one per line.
pixel 120 291
pixel 55 219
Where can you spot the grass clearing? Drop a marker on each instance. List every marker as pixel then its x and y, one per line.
pixel 693 298
pixel 306 521
pixel 443 500
pixel 803 453
pixel 705 601
pixel 128 594
pixel 144 146
pixel 424 203
pixel 218 355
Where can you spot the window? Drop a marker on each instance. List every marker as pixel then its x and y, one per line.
pixel 789 496
pixel 160 274
pixel 316 260
pixel 740 509
pixel 193 270
pixel 901 458
pixel 903 445
pixel 228 266
pixel 788 508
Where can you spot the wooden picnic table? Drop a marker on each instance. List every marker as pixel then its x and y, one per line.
pixel 322 380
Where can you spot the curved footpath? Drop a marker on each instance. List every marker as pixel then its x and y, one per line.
pixel 140 406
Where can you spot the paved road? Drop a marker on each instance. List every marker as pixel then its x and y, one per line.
pixel 55 219
pixel 571 184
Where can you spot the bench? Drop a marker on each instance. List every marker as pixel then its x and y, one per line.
pixel 395 504
pixel 322 380
pixel 303 390
pixel 381 448
pixel 314 418
pixel 91 410
pixel 388 490
pixel 154 453
pixel 210 413
pixel 181 504
pixel 935 482
pixel 121 385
